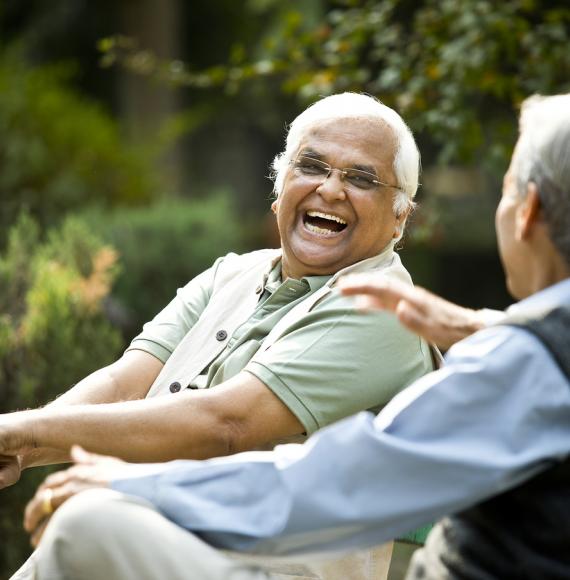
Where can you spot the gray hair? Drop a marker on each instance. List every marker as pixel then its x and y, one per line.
pixel 350 106
pixel 543 157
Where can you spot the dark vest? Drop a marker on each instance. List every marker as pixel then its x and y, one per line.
pixel 523 533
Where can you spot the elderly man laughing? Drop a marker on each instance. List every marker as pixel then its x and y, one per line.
pixel 486 439
pixel 261 347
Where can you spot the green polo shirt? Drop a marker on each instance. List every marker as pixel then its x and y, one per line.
pixel 332 363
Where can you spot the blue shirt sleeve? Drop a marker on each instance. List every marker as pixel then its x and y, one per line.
pixel 496 414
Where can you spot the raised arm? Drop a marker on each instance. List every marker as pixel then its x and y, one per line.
pixel 435 319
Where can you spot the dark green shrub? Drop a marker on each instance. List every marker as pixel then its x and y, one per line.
pixel 59 150
pixel 53 332
pixel 162 247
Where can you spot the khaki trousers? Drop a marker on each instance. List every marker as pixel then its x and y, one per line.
pixel 106 535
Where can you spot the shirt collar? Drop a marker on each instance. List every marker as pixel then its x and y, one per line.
pixel 272 276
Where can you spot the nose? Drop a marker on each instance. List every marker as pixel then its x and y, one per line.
pixel 332 186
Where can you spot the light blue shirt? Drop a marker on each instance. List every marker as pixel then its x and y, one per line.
pixel 495 415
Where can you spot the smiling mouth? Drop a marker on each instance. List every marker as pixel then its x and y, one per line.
pixel 323 224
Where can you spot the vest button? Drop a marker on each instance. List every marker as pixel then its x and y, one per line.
pixel 259 289
pixel 175 387
pixel 221 335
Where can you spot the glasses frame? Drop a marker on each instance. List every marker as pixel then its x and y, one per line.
pixel 343 172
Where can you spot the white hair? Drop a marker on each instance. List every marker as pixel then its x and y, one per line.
pixel 543 157
pixel 359 106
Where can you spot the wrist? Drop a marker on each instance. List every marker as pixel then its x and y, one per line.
pixel 487 317
pixel 17 433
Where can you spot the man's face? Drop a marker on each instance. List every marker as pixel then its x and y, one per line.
pixel 326 227
pixel 511 246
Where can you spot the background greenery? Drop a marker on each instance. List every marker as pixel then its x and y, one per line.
pixel 135 140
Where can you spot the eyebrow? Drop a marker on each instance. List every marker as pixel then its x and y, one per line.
pixel 319 156
pixel 311 153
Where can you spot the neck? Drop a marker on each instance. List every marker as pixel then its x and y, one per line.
pixel 549 273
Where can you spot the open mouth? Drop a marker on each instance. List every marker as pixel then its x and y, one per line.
pixel 323 224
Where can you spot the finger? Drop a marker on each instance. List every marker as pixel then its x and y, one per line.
pixel 355 283
pixel 38 533
pixel 387 294
pixel 9 471
pixel 366 303
pixel 411 317
pixel 57 479
pixel 79 455
pixel 35 511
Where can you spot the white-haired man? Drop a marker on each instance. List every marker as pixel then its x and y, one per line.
pixel 283 349
pixel 486 438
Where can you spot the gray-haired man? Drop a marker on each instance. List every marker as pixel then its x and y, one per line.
pixel 486 438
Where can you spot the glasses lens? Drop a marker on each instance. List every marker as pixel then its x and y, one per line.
pixel 311 167
pixel 360 179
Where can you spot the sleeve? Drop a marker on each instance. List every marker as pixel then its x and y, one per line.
pixel 497 414
pixel 337 361
pixel 164 332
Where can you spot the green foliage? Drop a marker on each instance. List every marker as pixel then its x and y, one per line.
pixel 60 151
pixel 51 306
pixel 456 69
pixel 53 332
pixel 162 247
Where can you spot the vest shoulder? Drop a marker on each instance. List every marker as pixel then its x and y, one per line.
pixel 250 258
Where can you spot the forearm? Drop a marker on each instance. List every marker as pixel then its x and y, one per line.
pixel 128 378
pixel 99 387
pixel 149 430
pixel 430 452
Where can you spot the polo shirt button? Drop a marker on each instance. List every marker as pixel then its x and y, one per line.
pixel 221 335
pixel 175 387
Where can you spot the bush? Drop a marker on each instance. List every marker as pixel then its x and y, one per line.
pixel 53 332
pixel 162 247
pixel 59 150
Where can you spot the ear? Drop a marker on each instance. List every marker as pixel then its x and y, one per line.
pixel 530 212
pixel 275 206
pixel 400 221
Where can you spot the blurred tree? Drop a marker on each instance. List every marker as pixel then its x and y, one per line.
pixel 60 151
pixel 454 68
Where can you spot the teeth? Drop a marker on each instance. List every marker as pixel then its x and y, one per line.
pixel 317 230
pixel 326 216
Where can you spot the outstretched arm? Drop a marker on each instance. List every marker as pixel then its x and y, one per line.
pixel 435 319
pixel 432 451
pixel 128 378
pixel 240 414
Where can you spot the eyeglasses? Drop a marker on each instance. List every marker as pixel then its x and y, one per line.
pixel 318 171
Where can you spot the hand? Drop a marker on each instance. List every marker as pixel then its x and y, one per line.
pixel 10 469
pixel 90 471
pixel 435 319
pixel 15 439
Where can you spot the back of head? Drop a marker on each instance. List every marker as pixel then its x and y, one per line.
pixel 543 157
pixel 354 105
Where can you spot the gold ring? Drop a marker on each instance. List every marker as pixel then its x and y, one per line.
pixel 47 505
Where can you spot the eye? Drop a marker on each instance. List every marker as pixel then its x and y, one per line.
pixel 361 179
pixel 310 166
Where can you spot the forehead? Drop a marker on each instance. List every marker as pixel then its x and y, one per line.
pixel 351 141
